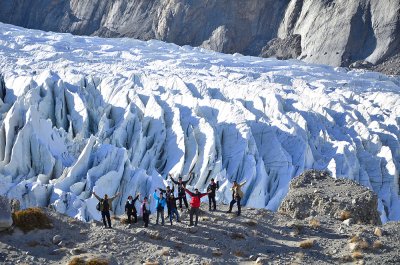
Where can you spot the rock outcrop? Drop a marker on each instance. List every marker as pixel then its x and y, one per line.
pixel 332 32
pixel 316 193
pixel 5 213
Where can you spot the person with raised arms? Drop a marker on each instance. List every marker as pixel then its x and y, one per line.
pixel 161 202
pixel 105 207
pixel 130 208
pixel 237 195
pixel 168 191
pixel 181 189
pixel 171 201
pixel 195 204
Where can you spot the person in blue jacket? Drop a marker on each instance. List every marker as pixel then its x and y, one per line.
pixel 161 202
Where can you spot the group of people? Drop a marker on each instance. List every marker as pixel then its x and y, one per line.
pixel 166 198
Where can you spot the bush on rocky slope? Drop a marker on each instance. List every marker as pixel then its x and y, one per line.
pixel 92 261
pixel 31 218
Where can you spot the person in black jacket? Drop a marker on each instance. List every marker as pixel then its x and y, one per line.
pixel 171 201
pixel 181 189
pixel 130 209
pixel 167 192
pixel 145 211
pixel 211 189
pixel 105 207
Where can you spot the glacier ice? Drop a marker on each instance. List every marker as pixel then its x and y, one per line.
pixel 83 114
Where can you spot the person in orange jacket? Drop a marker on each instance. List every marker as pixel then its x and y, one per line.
pixel 195 204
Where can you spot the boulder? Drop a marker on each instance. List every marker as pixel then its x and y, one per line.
pixel 5 214
pixel 339 198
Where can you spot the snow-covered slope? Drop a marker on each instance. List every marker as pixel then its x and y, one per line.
pixel 86 113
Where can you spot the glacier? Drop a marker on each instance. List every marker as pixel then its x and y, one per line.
pixel 82 114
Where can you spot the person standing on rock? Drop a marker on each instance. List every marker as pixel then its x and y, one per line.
pixel 195 204
pixel 212 188
pixel 161 202
pixel 171 201
pixel 237 195
pixel 168 193
pixel 145 211
pixel 105 207
pixel 181 189
pixel 130 209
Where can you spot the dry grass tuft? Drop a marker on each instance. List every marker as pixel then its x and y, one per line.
pixel 357 255
pixel 151 262
pixel 31 218
pixel 363 244
pixel 97 261
pixel 355 239
pixel 377 244
pixel 124 221
pixel 344 215
pixel 92 261
pixel 77 261
pixel 314 223
pixel 309 243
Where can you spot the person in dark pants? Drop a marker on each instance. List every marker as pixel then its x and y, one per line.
pixel 168 193
pixel 237 195
pixel 105 207
pixel 195 204
pixel 130 209
pixel 172 204
pixel 181 189
pixel 212 188
pixel 145 211
pixel 161 202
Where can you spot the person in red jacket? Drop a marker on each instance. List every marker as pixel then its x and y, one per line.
pixel 195 204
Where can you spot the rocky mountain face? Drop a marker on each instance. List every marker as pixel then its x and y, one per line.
pixel 337 33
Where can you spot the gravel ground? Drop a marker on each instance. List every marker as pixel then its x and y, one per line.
pixel 256 236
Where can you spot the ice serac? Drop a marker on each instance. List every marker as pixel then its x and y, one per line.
pixel 338 33
pixel 119 115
